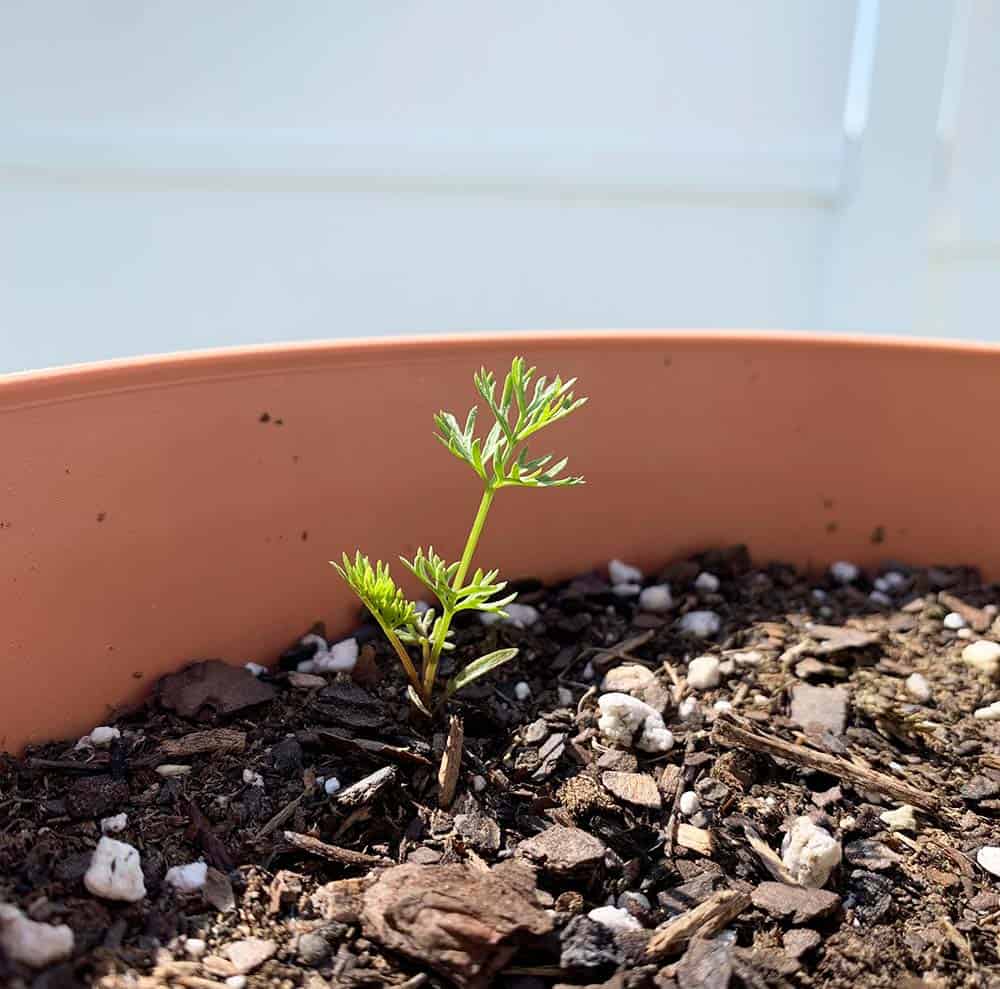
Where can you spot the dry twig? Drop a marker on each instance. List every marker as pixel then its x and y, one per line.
pixel 704 920
pixel 733 732
pixel 451 761
pixel 344 856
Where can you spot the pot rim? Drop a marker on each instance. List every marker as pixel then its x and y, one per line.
pixel 19 388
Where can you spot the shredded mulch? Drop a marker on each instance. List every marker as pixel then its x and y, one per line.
pixel 471 851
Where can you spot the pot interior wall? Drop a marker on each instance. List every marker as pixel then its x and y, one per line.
pixel 161 511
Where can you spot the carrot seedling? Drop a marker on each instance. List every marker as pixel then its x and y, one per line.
pixel 501 460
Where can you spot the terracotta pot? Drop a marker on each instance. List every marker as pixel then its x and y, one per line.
pixel 163 510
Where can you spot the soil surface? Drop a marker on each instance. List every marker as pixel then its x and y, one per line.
pixel 515 842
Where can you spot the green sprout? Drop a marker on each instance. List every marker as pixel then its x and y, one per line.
pixel 502 461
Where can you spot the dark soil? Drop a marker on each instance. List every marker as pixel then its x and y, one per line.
pixel 381 885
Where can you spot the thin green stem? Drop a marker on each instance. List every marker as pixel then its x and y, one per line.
pixel 473 540
pixel 441 633
pixel 404 656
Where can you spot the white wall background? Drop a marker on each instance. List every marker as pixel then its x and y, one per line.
pixel 198 174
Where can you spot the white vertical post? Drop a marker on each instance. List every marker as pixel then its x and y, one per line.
pixel 878 256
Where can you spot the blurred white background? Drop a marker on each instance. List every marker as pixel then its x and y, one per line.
pixel 198 174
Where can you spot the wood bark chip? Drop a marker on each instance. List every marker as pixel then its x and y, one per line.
pixel 218 890
pixel 633 788
pixel 990 759
pixel 707 964
pixel 694 839
pixel 365 790
pixel 451 762
pixel 209 842
pixel 340 901
pixel 732 732
pixel 201 742
pixel 704 920
pixel 563 851
pixel 836 638
pixel 345 856
pixel 801 906
pixel 212 689
pixel 463 923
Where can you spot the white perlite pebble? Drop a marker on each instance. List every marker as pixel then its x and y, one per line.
pixel 195 947
pixel 622 716
pixel 331 785
pixel 721 706
pixel 101 736
pixel 688 709
pixel 918 688
pixel 953 620
pixel 341 657
pixel 889 582
pixel 990 713
pixel 255 668
pixel 690 803
pixel 171 769
pixel 656 598
pixel 700 623
pixel 104 736
pixel 36 945
pixel 114 825
pixel 901 819
pixel 965 633
pixel 521 615
pixel 983 656
pixel 252 779
pixel 518 615
pixel 236 982
pixel 749 658
pixel 989 858
pixel 844 572
pixel 626 590
pixel 187 878
pixel 615 919
pixel 479 783
pixel 703 673
pixel 522 690
pixel 809 853
pixel 880 598
pixel 622 573
pixel 115 872
pixel 565 696
pixel 706 582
